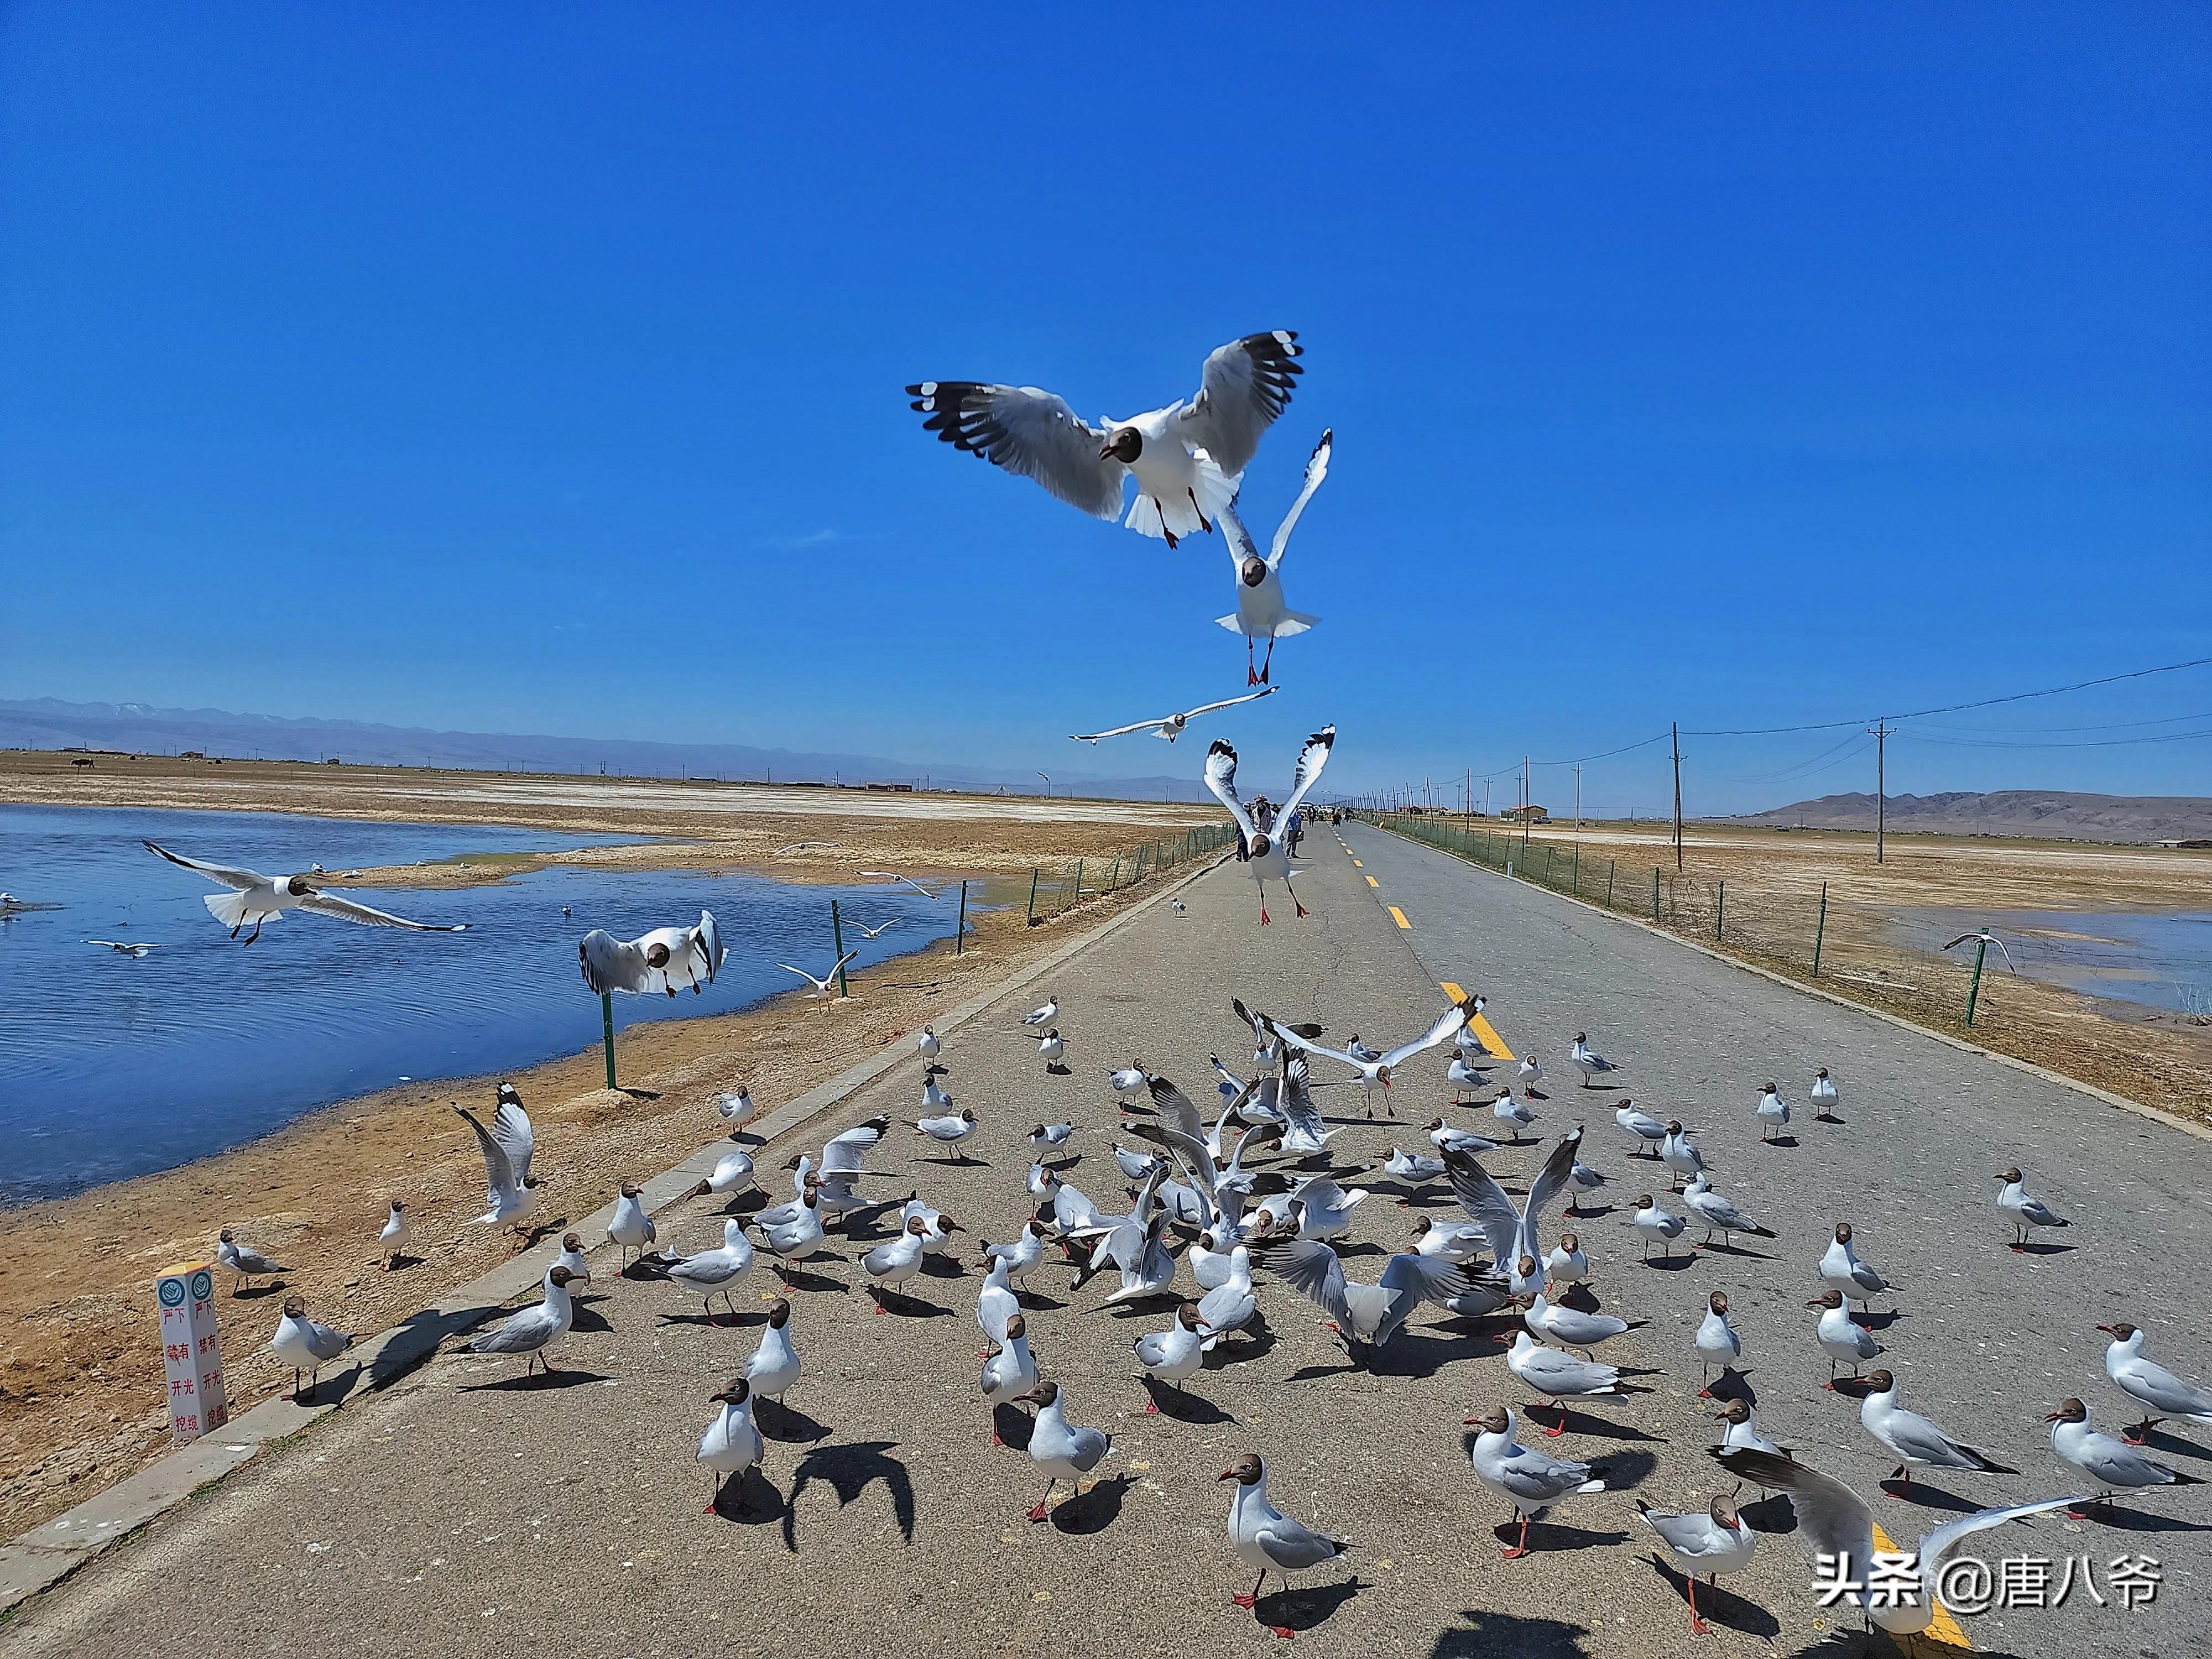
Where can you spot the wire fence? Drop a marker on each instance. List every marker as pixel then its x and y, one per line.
pixel 1065 886
pixel 1785 928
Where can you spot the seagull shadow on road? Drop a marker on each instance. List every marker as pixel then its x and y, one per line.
pixel 1036 1300
pixel 1587 1422
pixel 1723 1606
pixel 1550 1538
pixel 777 1421
pixel 1013 1425
pixel 529 1382
pixel 1181 1406
pixel 1307 1606
pixel 743 1203
pixel 401 1263
pixel 750 1499
pixel 1743 1250
pixel 944 1266
pixel 332 1390
pixel 1730 1384
pixel 1927 1496
pixel 1772 1514
pixel 1671 1264
pixel 2133 1519
pixel 799 1279
pixel 1489 1635
pixel 2041 1247
pixel 255 1292
pixel 2174 1446
pixel 1095 1510
pixel 586 1319
pixel 850 1469
pixel 899 1304
pixel 718 1320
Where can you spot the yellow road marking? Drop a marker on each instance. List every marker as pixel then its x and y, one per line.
pixel 1481 1027
pixel 1371 882
pixel 1943 1627
pixel 1357 865
pixel 1398 916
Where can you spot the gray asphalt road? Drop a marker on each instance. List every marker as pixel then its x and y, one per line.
pixel 464 1511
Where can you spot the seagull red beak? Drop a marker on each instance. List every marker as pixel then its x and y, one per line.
pixel 2108 1330
pixel 2052 1416
pixel 1226 1475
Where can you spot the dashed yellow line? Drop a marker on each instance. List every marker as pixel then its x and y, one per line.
pixel 1943 1627
pixel 1371 882
pixel 1357 865
pixel 1481 1027
pixel 1398 916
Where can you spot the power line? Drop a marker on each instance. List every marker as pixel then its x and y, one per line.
pixel 1959 707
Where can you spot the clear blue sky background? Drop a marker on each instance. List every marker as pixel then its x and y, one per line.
pixel 538 367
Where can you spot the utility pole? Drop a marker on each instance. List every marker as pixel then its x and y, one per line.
pixel 1674 727
pixel 1525 813
pixel 1578 798
pixel 1880 732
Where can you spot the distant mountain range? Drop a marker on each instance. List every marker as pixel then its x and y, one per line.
pixel 48 723
pixel 2047 814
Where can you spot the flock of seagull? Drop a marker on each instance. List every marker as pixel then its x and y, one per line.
pixel 1256 1221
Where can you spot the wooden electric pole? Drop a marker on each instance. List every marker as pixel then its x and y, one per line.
pixel 1675 728
pixel 1880 732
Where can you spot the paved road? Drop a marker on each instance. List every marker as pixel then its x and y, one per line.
pixel 460 1512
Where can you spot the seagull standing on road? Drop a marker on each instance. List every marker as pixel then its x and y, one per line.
pixel 1265 1538
pixel 1824 1098
pixel 1529 1481
pixel 950 1130
pixel 1773 1112
pixel 1169 726
pixel 1914 1438
pixel 304 1346
pixel 1010 1373
pixel 1173 1355
pixel 1591 1064
pixel 1263 852
pixel 1655 1224
pixel 630 1226
pixel 1187 458
pixel 1712 1541
pixel 927 1044
pixel 1062 1450
pixel 1045 1015
pixel 2150 1383
pixel 259 899
pixel 1531 1074
pixel 532 1330
pixel 665 959
pixel 1840 1336
pixel 1842 1271
pixel 1717 1211
pixel 1717 1342
pixel 1645 1128
pixel 2024 1210
pixel 2113 1466
pixel 737 1108
pixel 890 1265
pixel 733 1442
pixel 1681 1155
pixel 1512 1114
pixel 1051 1047
pixel 1261 613
pixel 716 1273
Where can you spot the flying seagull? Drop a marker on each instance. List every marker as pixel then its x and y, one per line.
pixel 1167 726
pixel 257 898
pixel 1263 855
pixel 1187 457
pixel 665 960
pixel 1985 938
pixel 134 951
pixel 820 986
pixel 1261 613
pixel 892 875
pixel 800 847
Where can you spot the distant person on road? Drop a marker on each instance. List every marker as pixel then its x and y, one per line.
pixel 1294 832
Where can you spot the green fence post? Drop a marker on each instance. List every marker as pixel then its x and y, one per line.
pixel 837 938
pixel 1720 911
pixel 607 1031
pixel 1031 920
pixel 1654 897
pixel 1974 991
pixel 1113 877
pixel 1820 930
pixel 1079 881
pixel 960 934
pixel 1579 870
pixel 1609 866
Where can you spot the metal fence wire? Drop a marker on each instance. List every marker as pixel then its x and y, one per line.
pixel 1052 891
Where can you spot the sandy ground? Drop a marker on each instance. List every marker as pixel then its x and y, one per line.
pixel 1773 909
pixel 75 1274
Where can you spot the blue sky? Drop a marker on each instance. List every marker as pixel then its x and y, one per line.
pixel 539 367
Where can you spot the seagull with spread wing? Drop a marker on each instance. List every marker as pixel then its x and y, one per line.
pixel 892 875
pixel 1187 457
pixel 257 898
pixel 1984 939
pixel 1262 854
pixel 665 960
pixel 123 948
pixel 822 984
pixel 1169 726
pixel 1374 1073
pixel 1510 1232
pixel 507 1147
pixel 1261 613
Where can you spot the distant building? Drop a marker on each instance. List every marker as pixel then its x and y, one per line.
pixel 892 788
pixel 1525 814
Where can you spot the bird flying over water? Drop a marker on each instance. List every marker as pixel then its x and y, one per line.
pixel 134 951
pixel 257 898
pixel 1169 726
pixel 1187 457
pixel 665 960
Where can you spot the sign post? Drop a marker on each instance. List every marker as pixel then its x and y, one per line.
pixel 192 1350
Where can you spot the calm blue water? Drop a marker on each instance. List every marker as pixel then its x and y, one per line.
pixel 112 1067
pixel 2162 959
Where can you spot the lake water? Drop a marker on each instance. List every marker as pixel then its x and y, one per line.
pixel 2162 959
pixel 112 1067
